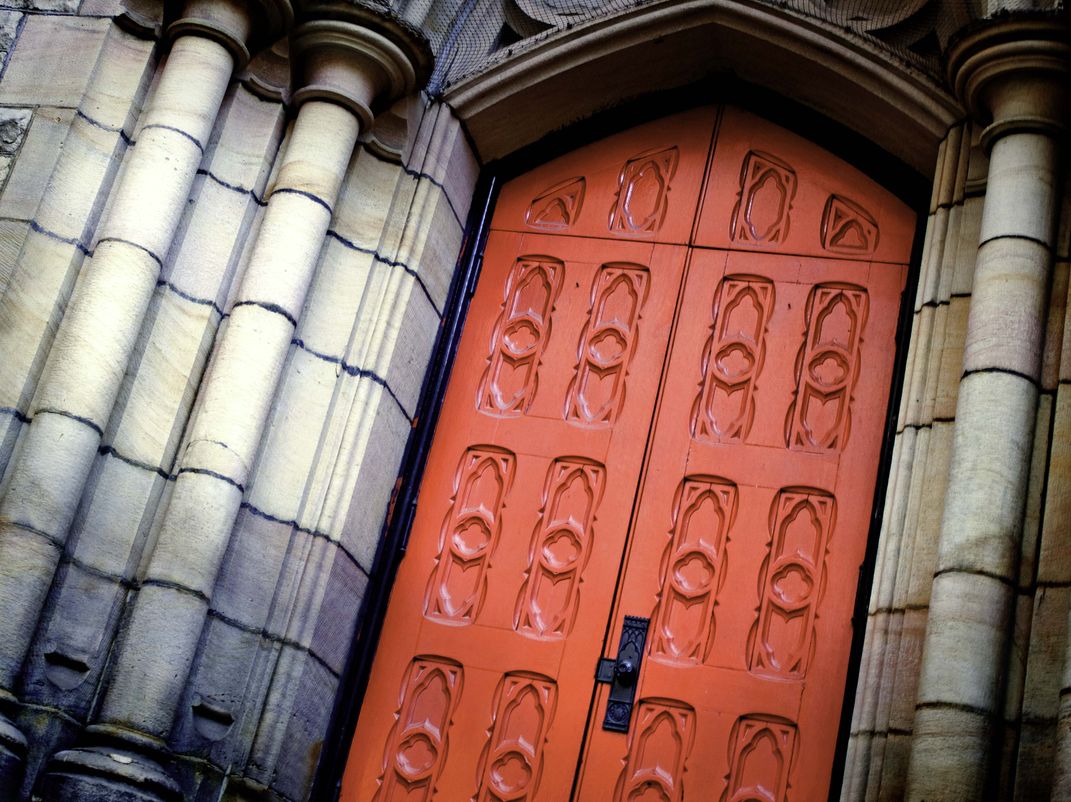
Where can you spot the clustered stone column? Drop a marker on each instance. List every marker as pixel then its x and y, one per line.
pixel 92 347
pixel 344 65
pixel 1017 73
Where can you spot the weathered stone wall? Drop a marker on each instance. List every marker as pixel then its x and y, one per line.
pixel 1003 648
pixel 252 704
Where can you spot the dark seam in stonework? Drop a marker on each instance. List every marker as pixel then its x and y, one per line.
pixel 16 414
pixel 97 572
pixel 304 194
pixel 960 295
pixel 271 638
pixel 1053 583
pixel 389 262
pixel 53 13
pixel 233 187
pixel 1023 237
pixel 167 583
pixel 267 516
pixel 52 711
pixel 270 307
pixel 252 630
pixel 40 229
pixel 1036 720
pixel 186 296
pixel 420 176
pixel 353 370
pixel 977 711
pixel 54 541
pixel 879 733
pixel 72 416
pixel 976 572
pixel 932 305
pixel 887 611
pixel 190 137
pixel 213 474
pixel 920 426
pixel 110 451
pixel 111 129
pixel 1006 371
pixel 155 258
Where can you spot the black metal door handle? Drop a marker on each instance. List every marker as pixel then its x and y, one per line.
pixel 623 673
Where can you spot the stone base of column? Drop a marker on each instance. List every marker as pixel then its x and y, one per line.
pixel 12 754
pixel 118 772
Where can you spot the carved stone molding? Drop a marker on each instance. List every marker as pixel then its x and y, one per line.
pixel 519 99
pixel 361 58
pixel 241 26
pixel 1015 75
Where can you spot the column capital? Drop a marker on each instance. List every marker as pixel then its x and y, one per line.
pixel 1014 74
pixel 360 56
pixel 238 25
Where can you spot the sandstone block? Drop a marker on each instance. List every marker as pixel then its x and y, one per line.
pixel 52 60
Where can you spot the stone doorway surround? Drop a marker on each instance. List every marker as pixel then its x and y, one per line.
pixel 251 706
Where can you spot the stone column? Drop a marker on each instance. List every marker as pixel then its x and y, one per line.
pixel 344 67
pixel 89 355
pixel 1015 72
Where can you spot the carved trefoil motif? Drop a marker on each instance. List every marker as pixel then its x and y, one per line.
pixel 643 192
pixel 659 746
pixel 693 570
pixel 732 359
pixel 561 545
pixel 762 750
pixel 469 534
pixel 791 583
pixel 520 336
pixel 764 203
pixel 512 761
pixel 607 345
pixel 417 745
pixel 848 228
pixel 557 208
pixel 827 368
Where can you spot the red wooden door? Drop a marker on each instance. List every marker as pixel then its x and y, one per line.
pixel 667 402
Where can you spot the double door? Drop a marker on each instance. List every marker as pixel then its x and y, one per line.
pixel 667 404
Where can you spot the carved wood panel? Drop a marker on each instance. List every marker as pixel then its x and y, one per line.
pixel 827 367
pixel 561 546
pixel 692 570
pixel 760 760
pixel 520 336
pixel 660 744
pixel 607 345
pixel 469 535
pixel 733 359
pixel 417 745
pixel 792 579
pixel 512 761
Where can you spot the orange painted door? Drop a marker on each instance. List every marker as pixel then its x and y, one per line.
pixel 755 505
pixel 667 402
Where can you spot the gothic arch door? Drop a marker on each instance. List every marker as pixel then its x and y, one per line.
pixel 668 403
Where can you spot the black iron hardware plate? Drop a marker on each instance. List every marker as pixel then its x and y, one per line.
pixel 623 673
